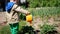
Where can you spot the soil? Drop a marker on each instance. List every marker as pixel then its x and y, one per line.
pixel 37 22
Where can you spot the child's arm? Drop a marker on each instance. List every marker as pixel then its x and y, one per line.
pixel 21 10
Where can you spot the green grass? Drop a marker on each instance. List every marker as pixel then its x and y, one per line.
pixel 21 24
pixel 6 29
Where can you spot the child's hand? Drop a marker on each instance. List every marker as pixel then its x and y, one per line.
pixel 28 13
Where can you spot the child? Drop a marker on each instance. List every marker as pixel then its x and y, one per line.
pixel 12 10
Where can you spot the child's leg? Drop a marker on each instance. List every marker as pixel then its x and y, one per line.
pixel 14 28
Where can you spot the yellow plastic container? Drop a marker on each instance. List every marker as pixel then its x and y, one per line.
pixel 29 18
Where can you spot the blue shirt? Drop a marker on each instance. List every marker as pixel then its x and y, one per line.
pixel 9 6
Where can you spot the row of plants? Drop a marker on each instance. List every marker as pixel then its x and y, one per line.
pixel 48 29
pixel 43 3
pixel 45 11
pixel 45 29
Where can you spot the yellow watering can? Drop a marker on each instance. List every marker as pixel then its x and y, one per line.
pixel 29 19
